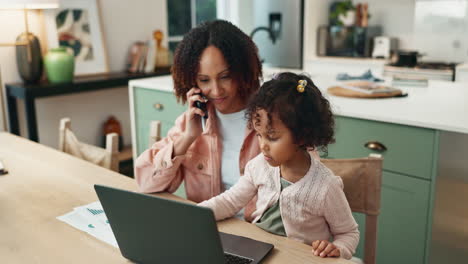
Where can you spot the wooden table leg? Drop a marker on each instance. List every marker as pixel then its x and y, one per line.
pixel 12 114
pixel 31 120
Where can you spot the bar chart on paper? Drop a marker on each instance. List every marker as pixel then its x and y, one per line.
pixel 91 219
pixel 95 211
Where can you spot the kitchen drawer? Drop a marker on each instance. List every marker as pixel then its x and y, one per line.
pixel 409 151
pixel 156 105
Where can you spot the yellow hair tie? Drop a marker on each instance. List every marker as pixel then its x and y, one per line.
pixel 301 86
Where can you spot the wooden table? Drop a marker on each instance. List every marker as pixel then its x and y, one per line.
pixel 44 183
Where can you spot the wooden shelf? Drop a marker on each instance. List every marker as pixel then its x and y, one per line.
pixel 79 84
pixel 30 92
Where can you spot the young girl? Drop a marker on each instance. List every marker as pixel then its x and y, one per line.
pixel 297 195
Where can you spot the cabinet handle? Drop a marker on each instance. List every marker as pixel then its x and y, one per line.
pixel 376 146
pixel 159 106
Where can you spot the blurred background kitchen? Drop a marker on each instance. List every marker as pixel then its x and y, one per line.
pixel 412 41
pixel 429 33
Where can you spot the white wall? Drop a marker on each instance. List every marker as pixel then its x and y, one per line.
pixel 123 22
pixel 315 15
pixel 441 28
pixel 238 12
pixel 127 21
pixel 396 18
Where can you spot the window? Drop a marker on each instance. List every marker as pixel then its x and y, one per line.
pixel 186 14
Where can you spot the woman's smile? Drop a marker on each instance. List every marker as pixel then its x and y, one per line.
pixel 219 100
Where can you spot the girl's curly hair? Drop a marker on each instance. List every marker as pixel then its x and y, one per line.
pixel 238 49
pixel 307 114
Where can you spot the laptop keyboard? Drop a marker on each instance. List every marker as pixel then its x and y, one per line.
pixel 235 259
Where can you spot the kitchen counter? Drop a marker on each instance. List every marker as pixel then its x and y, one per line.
pixel 441 106
pixel 461 72
pixel 462 66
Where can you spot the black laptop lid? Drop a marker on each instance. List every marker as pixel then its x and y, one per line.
pixel 151 229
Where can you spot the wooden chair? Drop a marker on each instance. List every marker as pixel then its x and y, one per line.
pixel 107 158
pixel 155 132
pixel 362 180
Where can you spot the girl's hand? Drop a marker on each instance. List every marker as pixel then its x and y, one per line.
pixel 193 123
pixel 325 248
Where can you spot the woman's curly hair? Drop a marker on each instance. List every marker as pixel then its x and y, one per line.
pixel 238 49
pixel 307 114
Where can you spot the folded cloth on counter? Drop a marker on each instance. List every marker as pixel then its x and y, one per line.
pixel 365 76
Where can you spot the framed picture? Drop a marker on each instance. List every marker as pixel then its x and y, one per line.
pixel 76 25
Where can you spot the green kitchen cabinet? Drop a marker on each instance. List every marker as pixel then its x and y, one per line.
pixel 403 219
pixel 150 105
pixel 408 152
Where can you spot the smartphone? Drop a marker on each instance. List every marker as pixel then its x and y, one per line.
pixel 202 106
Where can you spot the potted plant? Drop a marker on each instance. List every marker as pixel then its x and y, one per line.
pixel 342 13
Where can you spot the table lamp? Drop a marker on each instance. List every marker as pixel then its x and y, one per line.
pixel 28 49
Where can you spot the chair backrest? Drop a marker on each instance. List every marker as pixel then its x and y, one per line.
pixel 155 132
pixel 362 180
pixel 107 158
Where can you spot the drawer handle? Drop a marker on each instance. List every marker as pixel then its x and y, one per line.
pixel 376 146
pixel 159 106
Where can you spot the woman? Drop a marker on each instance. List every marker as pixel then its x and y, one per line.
pixel 216 63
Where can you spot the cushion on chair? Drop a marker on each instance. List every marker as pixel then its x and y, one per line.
pixel 84 151
pixel 362 182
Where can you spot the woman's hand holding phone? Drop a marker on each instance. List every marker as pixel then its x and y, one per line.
pixel 193 123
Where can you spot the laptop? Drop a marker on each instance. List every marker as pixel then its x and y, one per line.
pixel 150 229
